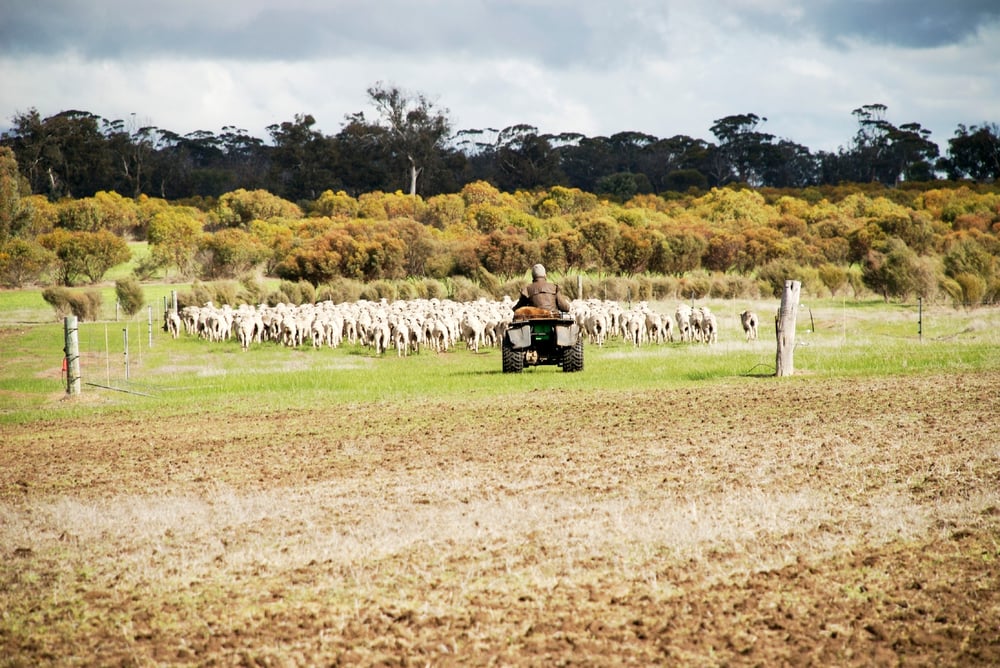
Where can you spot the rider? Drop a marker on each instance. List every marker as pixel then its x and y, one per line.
pixel 542 294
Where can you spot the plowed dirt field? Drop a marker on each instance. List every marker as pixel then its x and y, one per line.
pixel 768 522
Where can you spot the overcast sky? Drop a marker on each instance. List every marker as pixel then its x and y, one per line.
pixel 663 67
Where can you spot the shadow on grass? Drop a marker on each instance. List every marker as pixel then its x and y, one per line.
pixel 759 371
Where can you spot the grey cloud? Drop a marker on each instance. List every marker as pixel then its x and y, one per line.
pixel 898 23
pixel 558 33
pixel 908 23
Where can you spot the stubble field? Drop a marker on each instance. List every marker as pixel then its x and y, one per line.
pixel 813 520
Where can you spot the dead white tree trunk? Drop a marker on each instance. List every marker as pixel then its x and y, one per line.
pixel 414 173
pixel 785 328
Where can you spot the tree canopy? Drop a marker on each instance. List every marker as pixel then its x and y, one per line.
pixel 409 145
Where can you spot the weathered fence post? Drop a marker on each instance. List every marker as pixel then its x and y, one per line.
pixel 149 320
pixel 72 350
pixel 785 328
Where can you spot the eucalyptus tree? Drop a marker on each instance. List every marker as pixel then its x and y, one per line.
pixel 246 156
pixel 478 146
pixel 743 153
pixel 786 164
pixel 584 160
pixel 677 163
pixel 525 159
pixel 132 147
pixel 416 131
pixel 885 153
pixel 64 155
pixel 302 159
pixel 14 216
pixel 974 152
pixel 363 156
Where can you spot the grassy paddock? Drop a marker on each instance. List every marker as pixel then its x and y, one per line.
pixel 833 339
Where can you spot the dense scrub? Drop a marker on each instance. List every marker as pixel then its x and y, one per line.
pixel 939 243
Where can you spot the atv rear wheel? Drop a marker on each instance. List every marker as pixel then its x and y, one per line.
pixel 513 360
pixel 573 357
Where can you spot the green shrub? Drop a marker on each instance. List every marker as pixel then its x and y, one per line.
pixel 407 290
pixel 252 290
pixel 642 288
pixel 85 305
pixel 972 286
pixel 464 290
pixel 276 297
pixel 992 295
pixel 434 289
pixel 341 291
pixel 378 290
pixel 665 288
pixel 298 292
pixel 696 285
pixel 512 288
pixel 735 286
pixel 226 292
pixel 147 266
pixel 201 293
pixel 307 292
pixel 58 298
pixel 833 276
pixel 23 261
pixel 130 296
pixel 489 283
pixel 950 287
pixel 290 292
pixel 772 277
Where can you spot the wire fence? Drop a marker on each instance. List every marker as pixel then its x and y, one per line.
pixel 112 352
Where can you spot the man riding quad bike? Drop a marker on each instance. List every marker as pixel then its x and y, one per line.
pixel 542 330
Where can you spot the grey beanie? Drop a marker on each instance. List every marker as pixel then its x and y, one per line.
pixel 538 271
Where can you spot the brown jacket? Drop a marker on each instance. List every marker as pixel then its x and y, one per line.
pixel 542 294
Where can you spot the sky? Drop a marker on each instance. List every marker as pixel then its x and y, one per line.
pixel 660 67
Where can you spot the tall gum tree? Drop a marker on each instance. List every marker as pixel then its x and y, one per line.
pixel 417 131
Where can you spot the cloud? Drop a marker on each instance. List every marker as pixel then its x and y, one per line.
pixel 558 33
pixel 662 67
pixel 923 24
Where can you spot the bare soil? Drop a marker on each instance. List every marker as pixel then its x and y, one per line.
pixel 768 522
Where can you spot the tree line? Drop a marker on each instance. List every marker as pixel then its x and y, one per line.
pixel 409 145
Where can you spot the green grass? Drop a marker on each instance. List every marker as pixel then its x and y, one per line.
pixel 24 306
pixel 139 249
pixel 834 338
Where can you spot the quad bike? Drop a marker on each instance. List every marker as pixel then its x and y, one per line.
pixel 539 336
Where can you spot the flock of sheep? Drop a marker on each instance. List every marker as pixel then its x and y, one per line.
pixel 437 324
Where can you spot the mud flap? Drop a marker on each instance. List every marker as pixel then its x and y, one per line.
pixel 566 335
pixel 518 337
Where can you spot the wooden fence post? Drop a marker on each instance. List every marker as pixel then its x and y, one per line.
pixel 785 328
pixel 72 350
